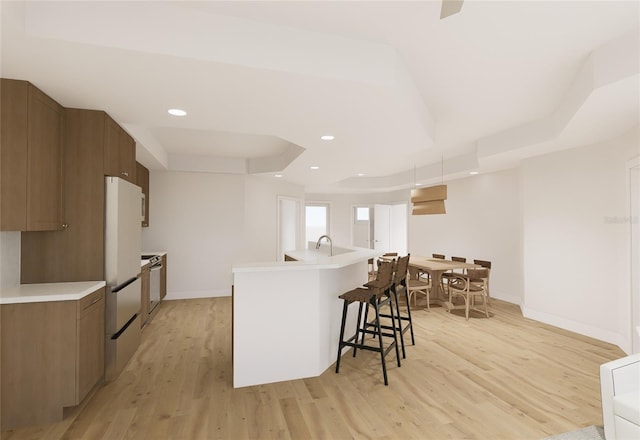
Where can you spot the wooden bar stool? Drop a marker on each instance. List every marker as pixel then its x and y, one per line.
pixel 398 287
pixel 376 296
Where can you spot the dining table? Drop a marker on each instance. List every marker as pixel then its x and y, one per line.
pixel 435 267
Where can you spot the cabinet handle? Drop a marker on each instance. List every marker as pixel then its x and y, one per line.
pixel 124 173
pixel 65 225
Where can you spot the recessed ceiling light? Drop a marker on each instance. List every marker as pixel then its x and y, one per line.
pixel 278 175
pixel 418 184
pixel 176 112
pixel 360 174
pixel 327 137
pixel 473 173
pixel 315 167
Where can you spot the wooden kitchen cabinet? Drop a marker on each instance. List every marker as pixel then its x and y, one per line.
pixel 77 252
pixel 31 191
pixel 90 353
pixel 142 180
pixel 52 355
pixel 119 152
pixel 163 278
pixel 145 277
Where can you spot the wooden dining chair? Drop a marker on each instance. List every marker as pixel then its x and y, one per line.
pixel 416 284
pixel 484 281
pixel 462 286
pixel 438 256
pixel 372 267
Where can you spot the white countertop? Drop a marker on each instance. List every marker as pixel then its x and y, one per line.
pixel 160 253
pixel 32 293
pixel 312 259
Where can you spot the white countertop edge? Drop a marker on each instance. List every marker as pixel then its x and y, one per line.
pixel 324 262
pixel 45 292
pixel 159 253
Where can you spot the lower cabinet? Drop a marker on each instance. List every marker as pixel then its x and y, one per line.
pixel 145 277
pixel 90 354
pixel 52 355
pixel 163 277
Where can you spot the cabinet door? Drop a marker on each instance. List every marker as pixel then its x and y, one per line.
pixel 111 147
pixel 142 179
pixel 163 277
pixel 44 177
pixel 90 343
pixel 76 253
pixel 146 295
pixel 13 155
pixel 127 152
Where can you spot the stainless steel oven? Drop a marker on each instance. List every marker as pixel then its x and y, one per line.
pixel 154 284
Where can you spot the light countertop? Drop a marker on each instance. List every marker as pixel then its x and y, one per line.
pixel 32 293
pixel 160 253
pixel 312 259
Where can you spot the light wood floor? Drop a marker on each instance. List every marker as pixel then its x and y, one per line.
pixel 500 378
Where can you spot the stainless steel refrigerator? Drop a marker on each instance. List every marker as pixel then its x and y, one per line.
pixel 123 243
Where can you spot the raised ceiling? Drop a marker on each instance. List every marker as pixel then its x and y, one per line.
pixel 397 87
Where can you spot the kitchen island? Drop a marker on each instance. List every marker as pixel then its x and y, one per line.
pixel 286 315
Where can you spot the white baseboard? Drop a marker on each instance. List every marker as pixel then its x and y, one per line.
pixel 508 298
pixel 577 327
pixel 197 294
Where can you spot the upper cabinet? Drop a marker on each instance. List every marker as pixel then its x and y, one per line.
pixel 119 152
pixel 142 180
pixel 31 159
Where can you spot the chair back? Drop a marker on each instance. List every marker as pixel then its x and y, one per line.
pixel 384 278
pixel 401 270
pixel 459 259
pixel 483 263
pixel 476 274
pixel 414 273
pixel 438 256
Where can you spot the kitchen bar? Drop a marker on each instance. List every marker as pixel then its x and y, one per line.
pixel 286 315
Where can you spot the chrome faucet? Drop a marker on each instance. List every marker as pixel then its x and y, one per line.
pixel 329 240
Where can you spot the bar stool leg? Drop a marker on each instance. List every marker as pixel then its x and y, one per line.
pixel 359 327
pixel 365 323
pixel 341 341
pixel 374 302
pixel 395 333
pixel 395 295
pixel 406 293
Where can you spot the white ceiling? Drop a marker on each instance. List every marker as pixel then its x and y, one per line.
pixel 396 86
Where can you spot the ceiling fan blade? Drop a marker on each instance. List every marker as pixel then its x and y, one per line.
pixel 450 7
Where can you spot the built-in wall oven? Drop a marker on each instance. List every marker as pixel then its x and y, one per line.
pixel 154 284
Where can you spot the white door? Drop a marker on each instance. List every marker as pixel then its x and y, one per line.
pixel 634 191
pixel 361 227
pixel 289 221
pixel 398 228
pixel 381 228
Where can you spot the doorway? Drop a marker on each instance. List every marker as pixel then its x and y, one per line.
pixel 289 225
pixel 634 231
pixel 316 217
pixel 361 227
pixel 390 228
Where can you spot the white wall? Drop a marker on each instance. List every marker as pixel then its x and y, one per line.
pixel 260 222
pixel 575 239
pixel 483 221
pixel 207 222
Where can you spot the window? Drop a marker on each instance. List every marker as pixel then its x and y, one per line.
pixel 362 213
pixel 317 220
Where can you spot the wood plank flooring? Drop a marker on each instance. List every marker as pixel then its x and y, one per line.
pixel 505 377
